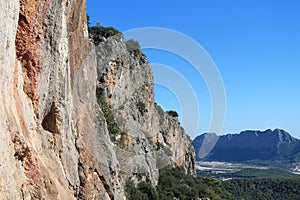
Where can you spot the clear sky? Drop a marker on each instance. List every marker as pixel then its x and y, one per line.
pixel 254 43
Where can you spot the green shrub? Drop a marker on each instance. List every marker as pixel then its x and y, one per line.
pixel 172 113
pixel 132 192
pixel 133 45
pixel 148 189
pixel 112 126
pixel 98 32
pixel 110 31
pixel 144 191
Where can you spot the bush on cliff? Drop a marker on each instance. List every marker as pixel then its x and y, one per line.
pixel 133 45
pixel 172 113
pixel 112 126
pixel 98 33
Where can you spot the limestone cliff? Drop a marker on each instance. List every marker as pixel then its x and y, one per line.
pixel 54 138
pixel 54 141
pixel 149 138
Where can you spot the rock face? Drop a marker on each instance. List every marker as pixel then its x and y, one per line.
pixel 54 140
pixel 252 145
pixel 53 136
pixel 149 138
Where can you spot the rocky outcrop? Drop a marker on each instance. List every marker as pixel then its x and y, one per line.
pixel 54 137
pixel 149 138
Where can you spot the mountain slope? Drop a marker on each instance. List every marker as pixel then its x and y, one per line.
pixel 251 145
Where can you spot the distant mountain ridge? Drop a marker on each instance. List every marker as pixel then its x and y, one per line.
pixel 248 145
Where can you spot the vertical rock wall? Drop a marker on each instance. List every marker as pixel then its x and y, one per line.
pixel 54 140
pixel 9 187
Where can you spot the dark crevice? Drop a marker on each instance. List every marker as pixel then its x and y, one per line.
pixel 50 120
pixel 22 18
pixel 105 184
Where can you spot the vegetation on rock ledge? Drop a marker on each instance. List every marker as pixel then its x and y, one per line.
pixel 172 113
pixel 112 126
pixel 100 33
pixel 133 45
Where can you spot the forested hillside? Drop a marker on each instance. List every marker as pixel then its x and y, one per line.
pixel 266 188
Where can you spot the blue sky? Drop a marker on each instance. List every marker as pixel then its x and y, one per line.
pixel 255 45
